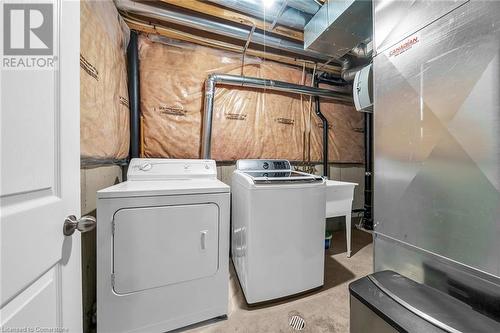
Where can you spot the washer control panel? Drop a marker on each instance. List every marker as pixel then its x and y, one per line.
pixel 281 165
pixel 263 165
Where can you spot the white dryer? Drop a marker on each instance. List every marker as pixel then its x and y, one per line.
pixel 162 247
pixel 278 229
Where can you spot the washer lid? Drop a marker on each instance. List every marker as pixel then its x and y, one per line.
pixel 280 177
pixel 163 187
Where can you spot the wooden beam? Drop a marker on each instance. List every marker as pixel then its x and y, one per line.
pixel 136 24
pixel 232 16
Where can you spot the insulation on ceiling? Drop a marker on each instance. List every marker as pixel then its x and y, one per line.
pixel 247 123
pixel 104 104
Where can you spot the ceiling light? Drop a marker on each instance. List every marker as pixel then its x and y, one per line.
pixel 268 3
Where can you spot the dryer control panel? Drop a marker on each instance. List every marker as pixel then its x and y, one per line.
pixel 165 169
pixel 282 165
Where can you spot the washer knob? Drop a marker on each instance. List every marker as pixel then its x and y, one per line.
pixel 146 166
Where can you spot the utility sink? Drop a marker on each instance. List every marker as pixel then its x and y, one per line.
pixel 339 196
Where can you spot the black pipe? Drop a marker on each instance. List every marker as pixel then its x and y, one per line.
pixel 332 80
pixel 317 110
pixel 259 83
pixel 368 218
pixel 367 222
pixel 134 96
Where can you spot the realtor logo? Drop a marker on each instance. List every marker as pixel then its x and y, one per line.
pixel 28 29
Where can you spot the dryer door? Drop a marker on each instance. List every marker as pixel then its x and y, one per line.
pixel 158 246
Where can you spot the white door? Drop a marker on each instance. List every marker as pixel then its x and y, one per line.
pixel 40 273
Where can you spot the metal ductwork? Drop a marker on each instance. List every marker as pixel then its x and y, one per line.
pixel 295 15
pixel 338 27
pixel 170 16
pixel 349 74
pixel 306 6
pixel 363 50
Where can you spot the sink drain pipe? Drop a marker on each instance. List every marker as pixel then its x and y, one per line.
pixel 321 116
pixel 337 94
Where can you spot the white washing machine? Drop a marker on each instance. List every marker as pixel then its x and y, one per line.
pixel 162 247
pixel 278 229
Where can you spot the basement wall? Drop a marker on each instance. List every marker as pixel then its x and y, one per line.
pixel 104 121
pixel 247 123
pixel 91 181
pixel 104 105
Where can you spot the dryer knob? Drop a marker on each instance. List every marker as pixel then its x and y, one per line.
pixel 145 166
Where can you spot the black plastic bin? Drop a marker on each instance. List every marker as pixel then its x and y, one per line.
pixel 389 302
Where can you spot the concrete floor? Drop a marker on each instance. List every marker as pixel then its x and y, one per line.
pixel 325 310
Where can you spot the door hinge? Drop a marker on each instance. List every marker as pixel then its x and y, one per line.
pixel 113 280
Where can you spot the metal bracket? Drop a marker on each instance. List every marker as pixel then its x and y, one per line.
pixel 278 15
pixel 249 39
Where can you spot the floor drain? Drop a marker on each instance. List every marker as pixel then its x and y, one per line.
pixel 297 323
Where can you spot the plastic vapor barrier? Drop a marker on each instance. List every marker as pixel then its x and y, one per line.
pixel 104 105
pixel 345 135
pixel 248 123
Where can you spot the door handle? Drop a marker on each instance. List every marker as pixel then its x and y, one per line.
pixel 203 239
pixel 83 224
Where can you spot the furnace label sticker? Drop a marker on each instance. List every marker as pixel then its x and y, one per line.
pixel 404 46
